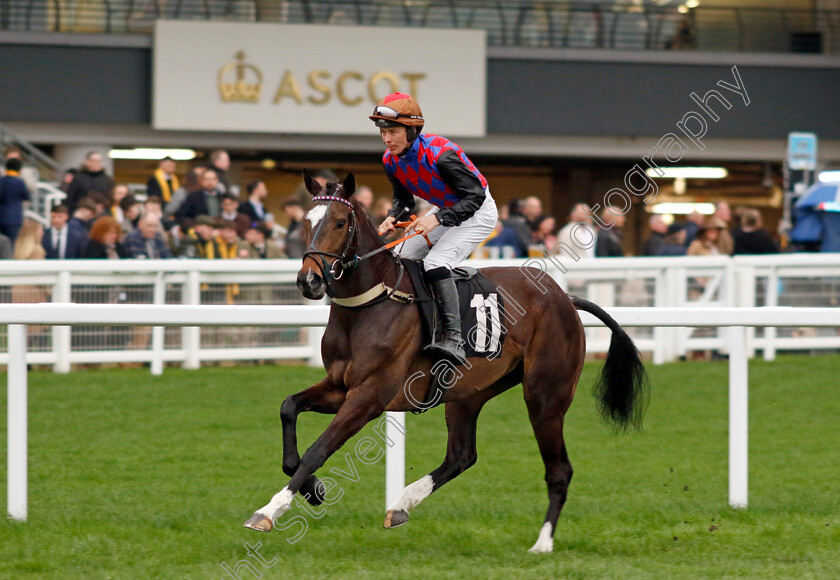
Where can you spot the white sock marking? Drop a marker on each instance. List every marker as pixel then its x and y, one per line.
pixel 316 214
pixel 281 501
pixel 414 494
pixel 545 543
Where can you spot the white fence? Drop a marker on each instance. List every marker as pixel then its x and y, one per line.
pixel 736 319
pixel 781 280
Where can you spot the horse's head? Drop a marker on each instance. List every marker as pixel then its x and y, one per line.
pixel 330 230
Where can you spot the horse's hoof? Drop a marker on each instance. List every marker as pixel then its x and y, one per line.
pixel 258 522
pixel 395 518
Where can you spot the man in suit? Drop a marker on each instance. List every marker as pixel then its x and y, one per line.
pixel 61 241
pixel 253 207
pixel 205 201
pixel 164 182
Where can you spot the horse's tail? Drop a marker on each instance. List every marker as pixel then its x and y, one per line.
pixel 622 388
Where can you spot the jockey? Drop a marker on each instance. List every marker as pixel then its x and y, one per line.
pixel 463 213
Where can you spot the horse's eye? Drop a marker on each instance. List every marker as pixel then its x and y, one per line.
pixel 340 224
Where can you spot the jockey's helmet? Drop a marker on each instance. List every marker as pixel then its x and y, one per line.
pixel 398 109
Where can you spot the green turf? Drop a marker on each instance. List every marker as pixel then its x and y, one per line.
pixel 134 476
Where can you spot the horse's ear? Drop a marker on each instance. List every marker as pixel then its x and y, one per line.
pixel 312 186
pixel 349 186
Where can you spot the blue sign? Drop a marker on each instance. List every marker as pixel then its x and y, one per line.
pixel 802 151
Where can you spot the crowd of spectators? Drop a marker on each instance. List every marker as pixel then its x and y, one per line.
pixel 201 214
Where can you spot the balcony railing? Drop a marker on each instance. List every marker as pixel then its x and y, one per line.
pixel 604 25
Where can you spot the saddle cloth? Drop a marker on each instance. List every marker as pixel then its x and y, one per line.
pixel 481 307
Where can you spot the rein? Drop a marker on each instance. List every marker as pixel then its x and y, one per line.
pixel 341 264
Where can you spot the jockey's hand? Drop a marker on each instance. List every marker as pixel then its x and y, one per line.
pixel 425 224
pixel 387 226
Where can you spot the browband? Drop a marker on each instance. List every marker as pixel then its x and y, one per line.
pixel 332 198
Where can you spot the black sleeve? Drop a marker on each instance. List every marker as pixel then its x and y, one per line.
pixel 466 185
pixel 153 188
pixel 403 203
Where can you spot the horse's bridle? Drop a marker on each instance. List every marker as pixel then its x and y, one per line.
pixel 336 270
pixel 341 264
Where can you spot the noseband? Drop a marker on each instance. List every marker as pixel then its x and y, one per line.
pixel 339 265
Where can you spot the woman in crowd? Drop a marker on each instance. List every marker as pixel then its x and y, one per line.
pixel 103 242
pixel 28 247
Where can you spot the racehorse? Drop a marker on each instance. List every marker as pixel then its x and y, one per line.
pixel 372 354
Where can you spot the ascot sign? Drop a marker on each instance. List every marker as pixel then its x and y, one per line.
pixel 211 76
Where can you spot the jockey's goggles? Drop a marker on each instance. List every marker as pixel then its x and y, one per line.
pixel 389 113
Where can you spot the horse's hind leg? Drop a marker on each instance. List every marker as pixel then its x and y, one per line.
pixel 547 421
pixel 461 417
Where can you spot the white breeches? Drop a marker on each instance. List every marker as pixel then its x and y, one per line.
pixel 452 245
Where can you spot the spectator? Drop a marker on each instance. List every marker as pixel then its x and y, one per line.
pixel 147 241
pixel 227 240
pixel 364 195
pixel 258 245
pixel 91 177
pixel 28 174
pixel 153 205
pixel 164 182
pixel 13 194
pixel 294 234
pixel 205 201
pixel 131 210
pixel 724 242
pixel 192 182
pixel 505 237
pixel 693 222
pixel 655 244
pixel 253 207
pixel 198 242
pixel 274 230
pixel 583 242
pixel 83 215
pixel 532 211
pixel 29 246
pixel 60 241
pixel 6 248
pixel 381 207
pixel 610 239
pixel 220 164
pixel 115 196
pixel 516 221
pixel 230 213
pixel 545 232
pixel 752 238
pixel 103 243
pixel 707 241
pixel 68 177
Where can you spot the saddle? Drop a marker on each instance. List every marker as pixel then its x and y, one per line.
pixel 481 307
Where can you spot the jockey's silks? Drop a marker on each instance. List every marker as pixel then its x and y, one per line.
pixel 417 169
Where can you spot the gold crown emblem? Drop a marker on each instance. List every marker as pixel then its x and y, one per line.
pixel 240 89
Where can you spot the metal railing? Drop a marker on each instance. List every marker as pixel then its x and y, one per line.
pixel 46 166
pixel 550 24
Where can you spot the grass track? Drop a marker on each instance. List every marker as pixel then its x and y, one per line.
pixel 134 476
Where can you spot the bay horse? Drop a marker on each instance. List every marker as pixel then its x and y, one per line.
pixel 372 354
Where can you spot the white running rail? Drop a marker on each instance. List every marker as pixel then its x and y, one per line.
pixel 737 320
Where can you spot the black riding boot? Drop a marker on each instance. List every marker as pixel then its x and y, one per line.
pixel 450 346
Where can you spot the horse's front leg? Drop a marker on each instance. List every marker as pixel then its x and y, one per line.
pixel 323 397
pixel 360 407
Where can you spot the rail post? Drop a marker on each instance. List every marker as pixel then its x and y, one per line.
pixel 17 445
pixel 738 417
